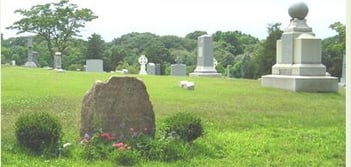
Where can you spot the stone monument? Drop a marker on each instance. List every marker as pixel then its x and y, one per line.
pixel 94 65
pixel 31 57
pixel 178 69
pixel 117 106
pixel 158 69
pixel 151 69
pixel 142 61
pixel 205 66
pixel 298 65
pixel 57 61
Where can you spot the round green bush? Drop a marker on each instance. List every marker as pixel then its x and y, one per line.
pixel 38 131
pixel 186 126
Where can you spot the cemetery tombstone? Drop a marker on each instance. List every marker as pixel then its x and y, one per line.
pixel 205 66
pixel 94 65
pixel 142 61
pixel 31 60
pixel 178 69
pixel 57 61
pixel 151 69
pixel 158 69
pixel 298 65
pixel 117 106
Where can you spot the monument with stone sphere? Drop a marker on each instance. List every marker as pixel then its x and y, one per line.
pixel 298 61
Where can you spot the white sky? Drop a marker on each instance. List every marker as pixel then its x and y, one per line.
pixel 180 17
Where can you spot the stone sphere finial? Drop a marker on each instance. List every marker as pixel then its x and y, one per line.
pixel 298 10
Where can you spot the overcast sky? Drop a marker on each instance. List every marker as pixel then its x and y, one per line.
pixel 180 17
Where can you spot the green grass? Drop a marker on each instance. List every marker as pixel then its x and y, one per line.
pixel 245 124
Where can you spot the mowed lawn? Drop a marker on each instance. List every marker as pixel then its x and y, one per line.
pixel 245 124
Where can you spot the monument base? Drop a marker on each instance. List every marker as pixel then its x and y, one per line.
pixel 301 83
pixel 199 74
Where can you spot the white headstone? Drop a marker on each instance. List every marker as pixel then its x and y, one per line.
pixel 298 66
pixel 13 62
pixel 94 65
pixel 205 66
pixel 151 69
pixel 57 61
pixel 142 61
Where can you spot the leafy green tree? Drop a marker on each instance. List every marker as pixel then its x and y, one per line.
pixel 194 35
pixel 267 57
pixel 95 48
pixel 333 49
pixel 57 23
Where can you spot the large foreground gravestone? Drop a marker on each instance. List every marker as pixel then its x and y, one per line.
pixel 298 66
pixel 205 65
pixel 116 106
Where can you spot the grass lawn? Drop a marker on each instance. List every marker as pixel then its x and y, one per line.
pixel 245 124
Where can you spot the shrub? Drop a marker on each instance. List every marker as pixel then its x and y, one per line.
pixel 186 126
pixel 127 158
pixel 38 131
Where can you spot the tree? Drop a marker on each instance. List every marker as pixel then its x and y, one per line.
pixel 95 49
pixel 194 35
pixel 57 23
pixel 267 57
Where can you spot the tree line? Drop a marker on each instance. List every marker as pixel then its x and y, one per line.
pixel 56 26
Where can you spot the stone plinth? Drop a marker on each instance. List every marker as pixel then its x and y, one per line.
pixel 205 65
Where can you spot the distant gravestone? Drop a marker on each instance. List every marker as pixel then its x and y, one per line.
pixel 31 59
pixel 205 66
pixel 142 61
pixel 13 62
pixel 158 69
pixel 151 69
pixel 116 106
pixel 94 65
pixel 178 70
pixel 57 61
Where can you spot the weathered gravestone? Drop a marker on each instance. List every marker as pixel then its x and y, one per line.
pixel 178 70
pixel 151 69
pixel 116 106
pixel 32 55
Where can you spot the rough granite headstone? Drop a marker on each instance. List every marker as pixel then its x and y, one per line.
pixel 116 106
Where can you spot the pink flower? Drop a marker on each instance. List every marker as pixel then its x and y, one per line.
pixel 118 145
pixel 132 129
pixel 106 136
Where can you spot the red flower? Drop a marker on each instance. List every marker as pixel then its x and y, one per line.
pixel 106 136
